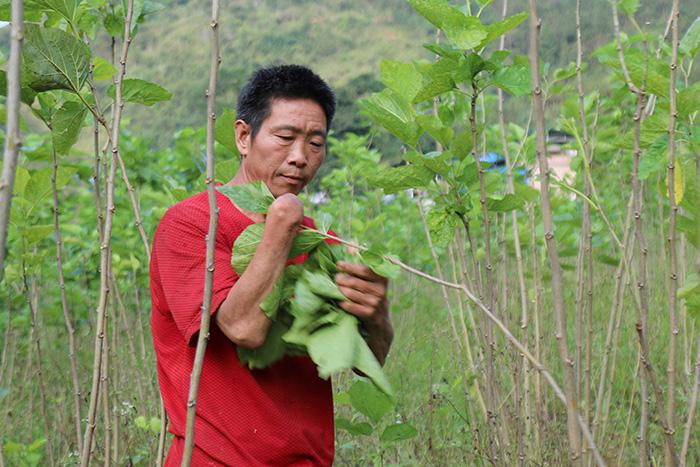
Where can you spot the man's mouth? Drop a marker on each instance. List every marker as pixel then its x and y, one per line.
pixel 292 179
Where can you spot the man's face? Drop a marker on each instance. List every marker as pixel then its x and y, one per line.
pixel 288 149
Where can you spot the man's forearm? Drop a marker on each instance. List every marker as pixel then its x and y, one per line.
pixel 240 316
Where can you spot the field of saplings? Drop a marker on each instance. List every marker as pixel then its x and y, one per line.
pixel 537 215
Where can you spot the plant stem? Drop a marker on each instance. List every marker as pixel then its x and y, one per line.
pixel 203 335
pixel 557 276
pixel 13 139
pixel 64 305
pixel 673 208
pixel 105 243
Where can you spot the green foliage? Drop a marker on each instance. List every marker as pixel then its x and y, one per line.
pixel 22 455
pixel 53 59
pixel 303 301
pixel 66 124
pixel 253 197
pixel 690 43
pixel 465 32
pixel 141 92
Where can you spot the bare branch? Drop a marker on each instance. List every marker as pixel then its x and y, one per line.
pixel 211 240
pixel 13 141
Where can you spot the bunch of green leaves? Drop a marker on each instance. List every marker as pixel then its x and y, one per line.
pixel 303 303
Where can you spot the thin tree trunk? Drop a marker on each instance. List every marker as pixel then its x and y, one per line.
pixel 64 306
pixel 673 208
pixel 105 244
pixel 692 406
pixel 584 289
pixel 557 276
pixel 121 310
pixel 211 239
pixel 492 399
pixel 13 141
pixel 32 297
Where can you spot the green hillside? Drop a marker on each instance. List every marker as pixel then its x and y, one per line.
pixel 343 40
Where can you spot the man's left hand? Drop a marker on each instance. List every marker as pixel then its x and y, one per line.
pixel 366 292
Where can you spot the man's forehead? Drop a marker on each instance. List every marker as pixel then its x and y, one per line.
pixel 296 109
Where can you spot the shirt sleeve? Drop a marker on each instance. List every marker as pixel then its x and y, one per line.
pixel 180 243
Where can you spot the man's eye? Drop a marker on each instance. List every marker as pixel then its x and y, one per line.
pixel 316 144
pixel 285 137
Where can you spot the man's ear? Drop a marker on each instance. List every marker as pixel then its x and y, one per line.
pixel 243 136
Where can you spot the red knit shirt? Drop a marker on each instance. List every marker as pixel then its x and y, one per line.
pixel 281 415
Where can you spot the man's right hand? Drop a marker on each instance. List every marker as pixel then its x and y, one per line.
pixel 286 212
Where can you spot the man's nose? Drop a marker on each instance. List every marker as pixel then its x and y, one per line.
pixel 297 154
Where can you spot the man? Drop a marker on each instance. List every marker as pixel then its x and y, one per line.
pixel 283 414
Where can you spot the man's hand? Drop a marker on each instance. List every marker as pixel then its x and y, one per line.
pixel 285 212
pixel 366 293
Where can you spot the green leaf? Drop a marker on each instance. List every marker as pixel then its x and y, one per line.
pixel 393 179
pixel 434 127
pixel 53 59
pixel 691 286
pixel 102 70
pixel 333 347
pixel 140 91
pixel 688 101
pixel 245 246
pixel 252 197
pixel 690 44
pixel 305 302
pixel 272 301
pixel 466 32
pixel 322 285
pixel 401 77
pixel 36 233
pixel 514 79
pixel 226 169
pixel 370 402
pixel 305 241
pixel 324 221
pixel 66 124
pixel 114 24
pixel 496 30
pixel 434 87
pixel 441 225
pixel 374 259
pixel 357 429
pixel 391 111
pixel 438 162
pixel 154 425
pixel 225 132
pixel 39 185
pixel 22 177
pixel 690 293
pixel 629 6
pixel 507 203
pixel 140 422
pixel 66 8
pixel 398 432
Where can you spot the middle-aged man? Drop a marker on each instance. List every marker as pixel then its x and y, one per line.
pixel 283 414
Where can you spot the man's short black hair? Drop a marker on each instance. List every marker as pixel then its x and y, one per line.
pixel 282 81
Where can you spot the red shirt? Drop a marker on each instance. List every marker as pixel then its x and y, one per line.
pixel 281 415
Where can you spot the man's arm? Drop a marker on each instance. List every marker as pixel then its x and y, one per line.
pixel 239 316
pixel 366 293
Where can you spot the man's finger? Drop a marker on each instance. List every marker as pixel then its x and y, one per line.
pixel 365 286
pixel 361 311
pixel 360 270
pixel 361 298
